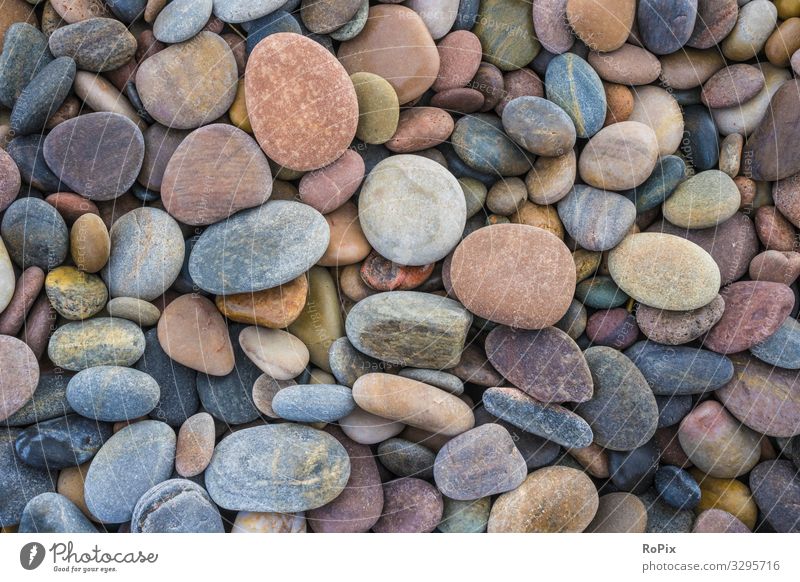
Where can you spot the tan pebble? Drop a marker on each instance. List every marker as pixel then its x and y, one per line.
pixel 90 244
pixel 253 522
pixel 195 445
pixel 348 245
pixel 276 352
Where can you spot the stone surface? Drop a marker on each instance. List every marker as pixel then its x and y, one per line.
pixel 572 84
pixel 160 144
pixel 755 23
pixel 96 44
pixel 677 488
pixel 598 220
pixel 459 58
pixel 481 143
pixel 732 85
pixel 412 402
pixel 24 55
pixel 101 341
pixel 628 65
pixel 291 132
pixel 553 499
pixel 320 323
pixel 236 11
pixel 369 429
pixel 259 248
pixel 633 471
pixel 112 393
pixel 682 276
pixel 140 312
pixel 132 461
pixel 176 506
pixel 666 25
pixel 619 157
pixel 90 243
pixel 75 294
pixel 495 278
pixel 704 200
pixel 615 328
pixel 25 291
pixel 730 495
pixel 409 328
pixel 538 125
pixel 98 155
pixel 622 413
pixel 34 234
pixel 285 468
pixel 410 506
pixel 330 187
pixel 551 26
pixel 465 516
pixel 718 521
pixel 20 375
pixel 675 371
pixel 20 482
pixel 668 173
pixel 215 172
pixel 202 78
pixel 715 19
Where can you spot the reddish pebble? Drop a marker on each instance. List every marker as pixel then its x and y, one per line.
pixel 776 266
pixel 775 232
pixel 10 180
pixel 520 83
pixel 40 324
pixel 459 58
pixel 718 521
pixel 71 206
pixel 420 128
pixel 28 286
pixel 615 328
pixel 328 188
pixel 463 100
pixel 382 274
pixel 410 506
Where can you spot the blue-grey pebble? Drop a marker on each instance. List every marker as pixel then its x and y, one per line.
pixel 465 516
pixel 25 53
pixel 700 144
pixel 663 518
pixel 314 402
pixel 61 442
pixel 112 393
pixel 674 370
pixel 372 154
pixel 481 143
pixel 600 292
pixel 666 25
pixel 235 11
pixel 176 506
pixel 440 379
pixel 672 409
pixel 598 220
pixel 279 467
pixel 180 20
pixel 53 513
pixel 572 84
pixel 539 125
pixel 677 488
pixel 19 483
pixel 348 364
pixel 782 348
pixel 35 234
pixel 97 44
pixel 406 458
pixel 278 21
pixel 127 10
pixel 668 173
pixel 537 451
pixel 459 169
pixel 354 26
pixel 467 14
pixel 132 461
pixel 178 398
pixel 27 151
pixel 145 195
pixel 48 401
pixel 634 471
pixel 230 398
pixel 42 97
pixel 100 341
pixel 184 283
pixel 686 97
pixel 259 248
pixel 553 422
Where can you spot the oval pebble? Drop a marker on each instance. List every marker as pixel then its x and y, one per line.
pixel 410 506
pixel 96 44
pixel 619 157
pixel 776 491
pixel 666 25
pixel 674 370
pixel 101 341
pixel 180 20
pixel 313 403
pixel 75 294
pixel 112 393
pixel 176 506
pixel 782 348
pixel 61 442
pixel 195 445
pixel 572 84
pixel 34 234
pixel 538 125
pixel 598 220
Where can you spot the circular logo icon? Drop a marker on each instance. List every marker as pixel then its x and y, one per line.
pixel 31 555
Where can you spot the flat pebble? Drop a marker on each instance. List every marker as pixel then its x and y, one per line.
pixel 24 55
pixel 406 458
pixel 619 512
pixel 768 153
pixel 53 513
pixel 195 445
pixel 112 393
pixel 465 516
pixel 678 370
pixel 378 107
pixel 176 506
pixel 313 403
pixel 782 348
pixel 101 341
pixel 40 98
pixel 715 19
pixel 572 84
pixel 619 157
pixel 96 44
pixel 665 25
pixel 634 471
pixel 628 65
pixel 20 375
pixel 236 11
pixel 20 482
pixel 776 490
pixel 598 220
pixel 718 521
pixel 330 187
pixel 755 23
pixel 276 308
pixel 538 125
pixel 615 328
pixel 181 20
pixel 603 26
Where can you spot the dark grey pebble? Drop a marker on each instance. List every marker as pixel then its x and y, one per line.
pixel 19 482
pixel 25 53
pixel 467 14
pixel 537 451
pixel 438 378
pixel 62 442
pixel 634 471
pixel 348 364
pixel 28 153
pixel 668 173
pixel 48 401
pixel 35 234
pixel 54 513
pixel 96 44
pixel 176 506
pixel 662 518
pixel 782 348
pixel 180 20
pixel 42 96
pixel 700 144
pixel 677 487
pixel 672 409
pixel 406 458
pixel 278 21
pixel 127 10
pixel 666 25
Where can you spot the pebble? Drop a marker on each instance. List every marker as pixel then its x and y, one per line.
pixel 42 97
pixel 746 118
pixel 101 341
pixel 61 442
pixel 216 171
pixel 550 421
pixel 409 328
pixel 776 491
pixel 730 495
pixel 619 157
pixel 20 375
pixel 619 99
pixel 753 27
pixel 381 274
pixel 369 429
pixel 664 25
pixel 700 144
pixel 195 445
pixel 465 516
pixel 236 11
pixel 53 513
pixel 140 312
pixel 269 522
pixel 192 332
pixel 551 26
pixel 600 292
pixel 718 521
pixel 619 512
pixel 348 245
pixel 313 403
pixel 127 10
pixel 24 56
pixel 766 152
pixel 378 107
pixel 538 125
pixel 354 26
pixel 176 506
pixel 546 364
pixel 180 20
pixel 783 43
pixel 552 499
pixel 90 243
pixel 96 44
pixel 330 187
pixel 628 65
pixel 25 291
pixel 75 294
pixel 622 412
pixel 754 310
pixel 762 397
pixel 436 378
pixel 406 458
pixel 112 393
pixel 572 84
pixel 348 364
pixel 689 68
pixel 274 308
pixel 160 144
pixel 685 276
pixel 537 451
pixel 20 482
pixel 774 231
pixel 26 151
pixel 410 506
pixel 494 278
pixel 459 58
pixel 678 370
pixel 781 349
pixel 481 143
pixel 507 34
pixel 659 110
pixel 201 71
pixel 290 133
pixel 10 180
pixel 776 266
pixel 598 220
pixel 672 409
pixel 132 461
pixel 229 398
pixel 73 11
pixel 715 19
pixel 634 471
pixel 663 518
pixel 615 328
pixel 716 443
pixel 97 155
pixel 677 488
pixel 283 468
pixel 490 83
pixel 420 128
pixel 733 85
pixel 669 172
pixel 730 155
pixel 412 402
pixel 478 463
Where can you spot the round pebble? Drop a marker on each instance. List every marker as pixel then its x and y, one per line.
pixel 75 294
pixel 112 393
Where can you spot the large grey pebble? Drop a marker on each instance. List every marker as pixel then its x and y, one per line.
pixel 112 393
pixel 176 506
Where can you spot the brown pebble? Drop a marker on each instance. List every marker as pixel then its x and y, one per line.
pixel 786 194
pixel 70 108
pixel 239 49
pixel 464 100
pixel 420 128
pixel 671 452
pixel 347 245
pixel 71 206
pixel 775 232
pixel 195 445
pixel 628 65
pixel 783 42
pixel 40 324
pixel 27 289
pixel 716 521
pixel 777 266
pixel 619 512
pixel 489 81
pixel 90 243
pixel 594 459
pixel 381 274
pixel 619 99
pixel 730 155
pixel 747 190
pixel 541 216
pixel 328 188
pixel 459 58
pixel 275 308
pixel 352 285
pixel 734 85
pixel 520 83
